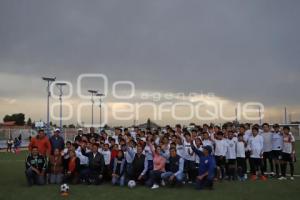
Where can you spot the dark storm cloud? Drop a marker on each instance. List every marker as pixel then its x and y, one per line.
pixel 241 50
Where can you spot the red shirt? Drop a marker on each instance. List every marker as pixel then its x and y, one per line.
pixel 43 145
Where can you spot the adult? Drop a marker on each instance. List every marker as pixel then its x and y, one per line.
pixel 175 172
pixel 35 167
pixel 42 142
pixel 95 166
pixel 56 141
pixel 206 169
pixel 159 163
pixel 56 167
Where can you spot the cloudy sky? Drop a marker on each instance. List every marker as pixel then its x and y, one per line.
pixel 240 50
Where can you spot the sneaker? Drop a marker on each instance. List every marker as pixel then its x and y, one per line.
pixel 263 178
pixel 245 176
pixel 282 178
pixel 292 178
pixel 155 186
pixel 163 183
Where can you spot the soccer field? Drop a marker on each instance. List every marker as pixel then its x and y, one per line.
pixel 13 186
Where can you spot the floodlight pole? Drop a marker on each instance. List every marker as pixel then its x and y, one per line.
pixel 60 88
pixel 259 114
pixel 100 106
pixel 93 92
pixel 49 81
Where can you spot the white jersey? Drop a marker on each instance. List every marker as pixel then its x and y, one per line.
pixel 197 159
pixel 221 147
pixel 231 148
pixel 208 143
pixel 180 150
pixel 148 153
pixel 277 141
pixel 106 156
pixel 83 159
pixel 287 143
pixel 240 150
pixel 188 152
pixel 247 135
pixel 255 145
pixel 65 153
pixel 268 136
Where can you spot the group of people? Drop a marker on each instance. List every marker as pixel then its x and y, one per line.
pixel 167 156
pixel 13 145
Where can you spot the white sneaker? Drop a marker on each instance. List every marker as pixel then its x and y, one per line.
pixel 292 178
pixel 282 178
pixel 163 183
pixel 155 186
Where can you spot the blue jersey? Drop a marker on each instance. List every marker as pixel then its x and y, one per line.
pixel 206 164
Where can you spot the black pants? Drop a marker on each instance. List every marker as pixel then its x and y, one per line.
pixel 241 166
pixel 92 176
pixel 255 165
pixel 71 178
pixel 220 161
pixel 287 158
pixel 190 170
pixel 268 156
pixel 204 183
pixel 107 173
pixel 34 178
pixel 155 177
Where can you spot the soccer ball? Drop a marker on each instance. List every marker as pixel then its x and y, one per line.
pixel 64 188
pixel 131 184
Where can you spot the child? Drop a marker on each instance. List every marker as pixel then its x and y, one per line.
pixel 107 156
pixel 231 155
pixel 241 158
pixel 255 145
pixel 288 153
pixel 118 175
pixel 220 152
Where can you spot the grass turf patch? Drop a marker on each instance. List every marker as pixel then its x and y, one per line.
pixel 13 186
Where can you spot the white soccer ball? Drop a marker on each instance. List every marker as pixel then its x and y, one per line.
pixel 64 188
pixel 131 184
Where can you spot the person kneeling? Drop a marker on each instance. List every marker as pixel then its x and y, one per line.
pixel 207 167
pixel 175 173
pixel 35 168
pixel 96 166
pixel 118 176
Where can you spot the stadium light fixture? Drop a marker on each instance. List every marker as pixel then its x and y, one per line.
pixel 49 82
pixel 60 88
pixel 100 95
pixel 93 93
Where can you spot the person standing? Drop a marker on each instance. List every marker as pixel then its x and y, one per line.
pixel 288 153
pixel 277 143
pixel 267 147
pixel 255 145
pixel 42 142
pixel 56 141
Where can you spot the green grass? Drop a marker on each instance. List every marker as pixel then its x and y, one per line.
pixel 13 186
